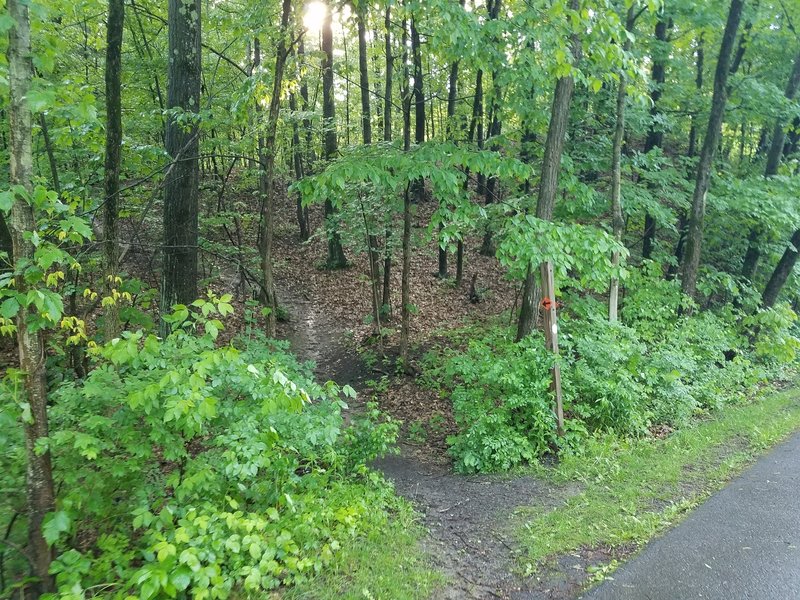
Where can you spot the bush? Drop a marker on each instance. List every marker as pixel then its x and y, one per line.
pixel 653 368
pixel 184 467
pixel 501 402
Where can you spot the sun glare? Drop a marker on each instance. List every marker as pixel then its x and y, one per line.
pixel 314 15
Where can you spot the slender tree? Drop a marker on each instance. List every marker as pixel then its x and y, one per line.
pixel 113 77
pixel 336 257
pixel 548 185
pixel 30 343
pixel 655 134
pixel 694 235
pixel 267 169
pixel 181 185
pixel 776 147
pixel 617 221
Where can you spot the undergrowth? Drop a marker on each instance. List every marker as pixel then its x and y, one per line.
pixel 191 469
pixel 651 371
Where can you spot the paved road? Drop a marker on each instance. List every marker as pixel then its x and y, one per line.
pixel 742 544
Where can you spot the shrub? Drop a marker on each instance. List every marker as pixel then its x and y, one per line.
pixel 184 467
pixel 501 402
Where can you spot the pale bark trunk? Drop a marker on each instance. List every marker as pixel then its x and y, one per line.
pixel 31 346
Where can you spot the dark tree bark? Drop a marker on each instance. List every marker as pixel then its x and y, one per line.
pixel 113 76
pixel 450 128
pixel 373 249
pixel 386 300
pixel 336 257
pixel 51 156
pixel 387 99
pixel 495 127
pixel 30 344
pixel 694 235
pixel 548 185
pixel 182 145
pixel 299 170
pixel 781 273
pixel 655 134
pixel 789 258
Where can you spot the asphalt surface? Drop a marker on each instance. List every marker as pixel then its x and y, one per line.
pixel 742 544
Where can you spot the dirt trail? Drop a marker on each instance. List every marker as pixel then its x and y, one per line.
pixel 468 517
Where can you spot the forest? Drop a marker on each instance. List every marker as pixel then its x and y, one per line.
pixel 265 262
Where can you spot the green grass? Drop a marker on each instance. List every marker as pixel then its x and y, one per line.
pixel 630 491
pixel 385 564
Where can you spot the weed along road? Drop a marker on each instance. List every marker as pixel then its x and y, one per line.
pixel 743 543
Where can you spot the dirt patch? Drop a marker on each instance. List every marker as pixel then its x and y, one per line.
pixel 468 517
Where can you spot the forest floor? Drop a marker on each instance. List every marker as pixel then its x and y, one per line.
pixel 471 519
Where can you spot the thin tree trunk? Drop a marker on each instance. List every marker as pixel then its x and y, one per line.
pixel 299 170
pixel 366 134
pixel 268 166
pixel 618 222
pixel 452 95
pixel 781 273
pixel 51 156
pixel 694 235
pixel 336 257
pixel 181 191
pixel 655 135
pixel 386 300
pixel 548 185
pixel 387 95
pixel 774 155
pixel 30 344
pixel 113 77
pixel 419 106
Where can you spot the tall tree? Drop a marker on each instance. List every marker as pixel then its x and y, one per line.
pixel 617 221
pixel 336 257
pixel 366 135
pixel 181 184
pixel 267 169
pixel 548 184
pixel 655 134
pixel 753 253
pixel 113 77
pixel 30 342
pixel 694 235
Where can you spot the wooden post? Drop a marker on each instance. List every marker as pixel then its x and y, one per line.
pixel 551 337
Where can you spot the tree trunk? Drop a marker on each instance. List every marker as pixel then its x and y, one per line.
pixel 386 300
pixel 450 128
pixel 30 344
pixel 387 95
pixel 113 76
pixel 655 135
pixel 268 166
pixel 776 148
pixel 548 185
pixel 336 257
pixel 617 220
pixel 694 234
pixel 182 145
pixel 781 273
pixel 373 249
pixel 673 269
pixel 299 170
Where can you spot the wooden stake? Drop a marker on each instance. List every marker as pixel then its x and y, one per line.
pixel 551 337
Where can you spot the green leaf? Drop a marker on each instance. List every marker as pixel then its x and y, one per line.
pixel 181 578
pixel 6 200
pixel 55 523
